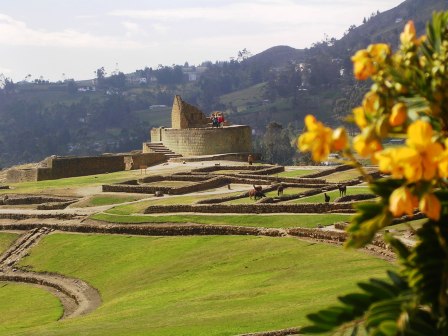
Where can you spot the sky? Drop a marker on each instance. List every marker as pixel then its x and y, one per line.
pixel 61 39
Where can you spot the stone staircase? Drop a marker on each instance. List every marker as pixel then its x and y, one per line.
pixel 158 147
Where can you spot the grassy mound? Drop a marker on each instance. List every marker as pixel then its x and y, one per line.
pixel 214 285
pixel 267 221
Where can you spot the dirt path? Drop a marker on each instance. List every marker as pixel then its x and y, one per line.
pixel 77 297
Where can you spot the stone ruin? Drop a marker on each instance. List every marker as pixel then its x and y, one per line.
pixel 191 134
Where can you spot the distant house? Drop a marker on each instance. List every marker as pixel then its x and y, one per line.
pixel 135 79
pixel 87 89
pixel 155 107
pixel 193 73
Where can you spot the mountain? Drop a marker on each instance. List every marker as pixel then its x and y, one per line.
pixel 281 84
pixel 277 56
pixel 329 90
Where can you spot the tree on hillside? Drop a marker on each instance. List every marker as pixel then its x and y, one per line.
pixel 276 145
pixel 6 84
pixel 100 76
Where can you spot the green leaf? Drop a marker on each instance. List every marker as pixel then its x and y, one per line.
pixel 388 328
pixel 356 299
pixel 376 290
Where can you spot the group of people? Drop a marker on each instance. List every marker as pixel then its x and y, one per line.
pixel 217 119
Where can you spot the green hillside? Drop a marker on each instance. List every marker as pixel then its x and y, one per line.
pixel 166 285
pixel 280 84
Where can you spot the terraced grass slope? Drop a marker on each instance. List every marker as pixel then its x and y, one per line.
pixel 25 306
pixel 267 221
pixel 319 198
pixel 6 239
pixel 214 285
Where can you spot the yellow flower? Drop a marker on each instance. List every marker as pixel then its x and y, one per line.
pixel 317 140
pixel 360 117
pixel 420 138
pixel 371 103
pixel 398 115
pixel 366 147
pixel 430 206
pixel 443 162
pixel 365 61
pixel 379 51
pixel 390 160
pixel 419 134
pixel 339 139
pixel 401 202
pixel 363 65
pixel 408 35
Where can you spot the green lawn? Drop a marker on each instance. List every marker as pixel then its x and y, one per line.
pixel 268 221
pixel 344 175
pixel 140 206
pixel 213 285
pixel 72 182
pixel 172 184
pixel 6 239
pixel 26 306
pixel 98 200
pixel 297 172
pixel 319 198
pixel 273 193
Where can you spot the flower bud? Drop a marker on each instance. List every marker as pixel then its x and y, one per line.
pixel 339 139
pixel 382 127
pixel 398 115
pixel 430 206
pixel 401 202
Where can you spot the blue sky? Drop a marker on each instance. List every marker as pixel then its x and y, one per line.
pixel 50 38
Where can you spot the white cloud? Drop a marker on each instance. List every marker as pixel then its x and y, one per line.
pixel 160 28
pixel 132 29
pixel 17 33
pixel 5 71
pixel 260 11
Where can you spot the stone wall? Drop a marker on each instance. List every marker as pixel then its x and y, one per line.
pixel 329 171
pixel 61 167
pixel 213 157
pixel 205 141
pixel 214 168
pixel 253 208
pixel 184 115
pixel 214 182
pixel 21 175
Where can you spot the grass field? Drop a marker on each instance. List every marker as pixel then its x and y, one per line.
pixel 343 176
pixel 26 306
pixel 6 239
pixel 140 206
pixel 319 198
pixel 214 285
pixel 66 184
pixel 287 191
pixel 297 172
pixel 243 98
pixel 171 184
pixel 268 221
pixel 108 199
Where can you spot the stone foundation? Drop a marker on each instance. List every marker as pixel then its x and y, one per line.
pixel 205 141
pixel 61 167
